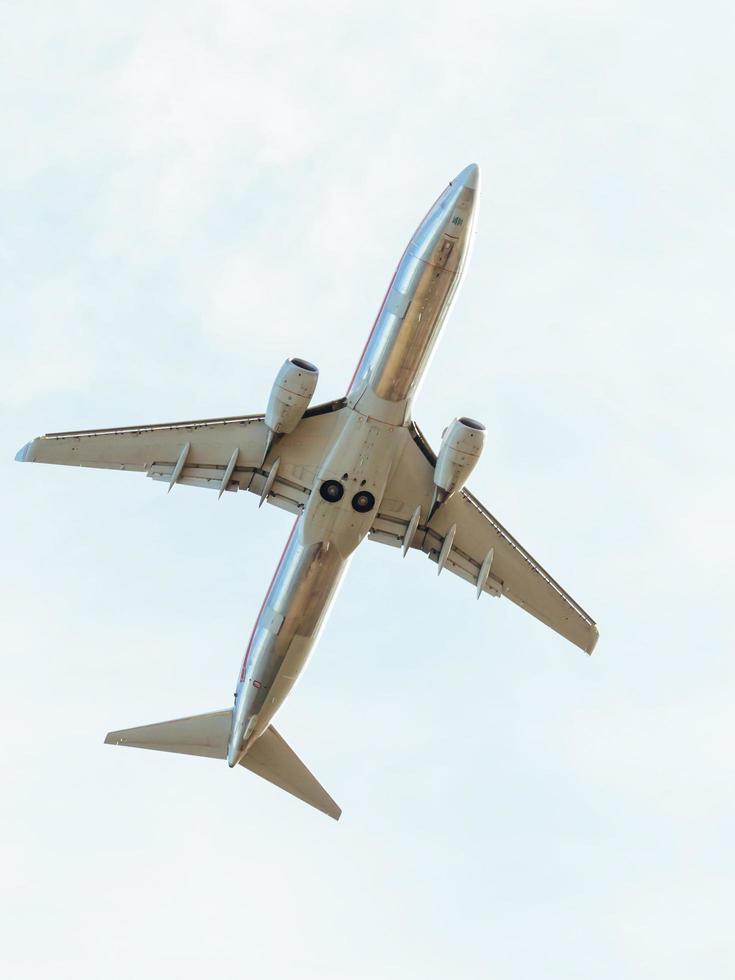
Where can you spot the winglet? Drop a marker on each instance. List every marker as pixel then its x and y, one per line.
pixel 22 455
pixel 593 641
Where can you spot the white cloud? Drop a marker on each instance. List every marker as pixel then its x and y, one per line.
pixel 192 192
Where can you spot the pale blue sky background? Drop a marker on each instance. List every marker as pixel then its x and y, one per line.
pixel 191 192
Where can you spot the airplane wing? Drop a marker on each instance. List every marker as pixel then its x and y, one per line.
pixel 479 549
pixel 219 454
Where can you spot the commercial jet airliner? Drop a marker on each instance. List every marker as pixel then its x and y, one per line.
pixel 354 468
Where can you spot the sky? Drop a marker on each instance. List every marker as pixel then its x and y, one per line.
pixel 191 192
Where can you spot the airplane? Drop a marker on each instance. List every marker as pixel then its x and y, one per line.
pixel 354 468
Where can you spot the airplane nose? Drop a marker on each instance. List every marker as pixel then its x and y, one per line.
pixel 469 177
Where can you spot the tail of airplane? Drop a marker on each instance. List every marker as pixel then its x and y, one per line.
pixel 206 735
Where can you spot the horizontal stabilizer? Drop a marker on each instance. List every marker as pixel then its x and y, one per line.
pixel 206 735
pixel 273 759
pixel 199 735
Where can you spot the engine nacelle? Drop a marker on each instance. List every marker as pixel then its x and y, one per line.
pixel 462 443
pixel 290 396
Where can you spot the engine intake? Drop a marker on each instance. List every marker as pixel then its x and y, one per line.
pixel 290 396
pixel 462 443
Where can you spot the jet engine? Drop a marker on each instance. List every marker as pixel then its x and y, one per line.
pixel 462 442
pixel 292 391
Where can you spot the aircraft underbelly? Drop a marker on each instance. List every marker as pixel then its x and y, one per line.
pixel 311 569
pixel 350 482
pixel 360 460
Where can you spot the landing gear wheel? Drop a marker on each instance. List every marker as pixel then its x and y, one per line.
pixel 331 491
pixel 363 501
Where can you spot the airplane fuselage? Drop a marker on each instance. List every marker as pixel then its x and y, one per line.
pixel 349 468
pixel 353 475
